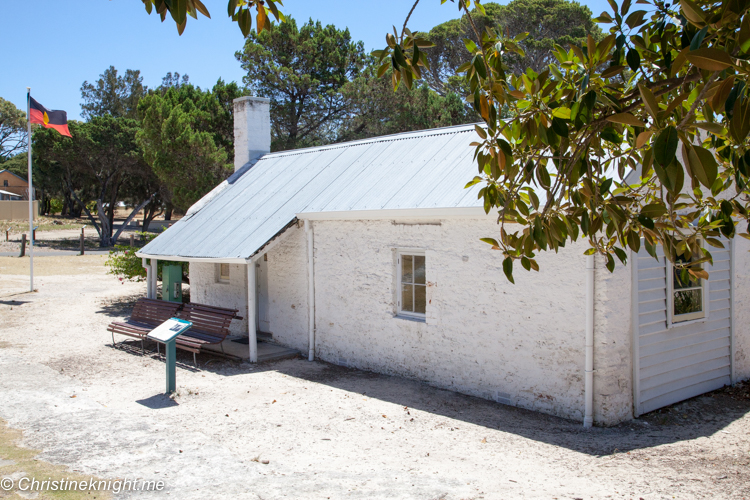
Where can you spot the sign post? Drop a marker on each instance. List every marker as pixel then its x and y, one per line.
pixel 167 333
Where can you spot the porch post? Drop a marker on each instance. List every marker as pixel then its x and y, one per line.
pixel 147 267
pixel 154 278
pixel 251 327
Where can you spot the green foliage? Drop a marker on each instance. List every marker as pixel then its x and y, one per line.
pixel 302 70
pixel 548 22
pixel 12 130
pixel 113 95
pixel 375 109
pixel 101 158
pixel 183 135
pixel 641 136
pixel 241 12
pixel 126 265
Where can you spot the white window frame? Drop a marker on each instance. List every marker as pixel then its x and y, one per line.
pixel 399 312
pixel 219 276
pixel 683 319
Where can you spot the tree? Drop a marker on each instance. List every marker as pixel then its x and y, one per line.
pixel 101 155
pixel 113 95
pixel 302 72
pixel 668 78
pixel 548 22
pixel 179 141
pixel 12 130
pixel 375 109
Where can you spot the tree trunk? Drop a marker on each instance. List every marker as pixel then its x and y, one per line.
pixel 168 211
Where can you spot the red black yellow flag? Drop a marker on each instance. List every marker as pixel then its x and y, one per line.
pixel 50 118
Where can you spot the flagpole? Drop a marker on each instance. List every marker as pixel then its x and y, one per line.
pixel 31 193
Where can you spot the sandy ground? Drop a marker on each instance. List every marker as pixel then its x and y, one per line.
pixel 324 431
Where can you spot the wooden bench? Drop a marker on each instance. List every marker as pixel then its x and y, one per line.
pixel 210 326
pixel 147 315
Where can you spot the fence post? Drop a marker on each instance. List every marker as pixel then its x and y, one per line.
pixel 82 242
pixel 23 245
pixel 132 240
pixel 7 234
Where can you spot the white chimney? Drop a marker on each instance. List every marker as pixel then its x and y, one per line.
pixel 252 129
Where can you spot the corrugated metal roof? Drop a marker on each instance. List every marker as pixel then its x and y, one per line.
pixel 414 170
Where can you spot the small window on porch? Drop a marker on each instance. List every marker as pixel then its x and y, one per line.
pixel 5 183
pixel 224 273
pixel 412 286
pixel 688 295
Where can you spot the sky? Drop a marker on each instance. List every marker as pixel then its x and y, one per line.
pixel 53 46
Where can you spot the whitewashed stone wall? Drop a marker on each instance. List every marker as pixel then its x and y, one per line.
pixel 205 288
pixel 741 310
pixel 519 344
pixel 613 337
pixel 287 290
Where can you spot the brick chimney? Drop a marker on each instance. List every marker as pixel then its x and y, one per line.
pixel 252 129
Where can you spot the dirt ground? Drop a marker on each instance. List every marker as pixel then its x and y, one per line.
pixel 301 430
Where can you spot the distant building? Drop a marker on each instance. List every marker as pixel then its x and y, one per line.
pixel 13 184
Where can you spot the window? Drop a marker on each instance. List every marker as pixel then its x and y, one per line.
pixel 5 183
pixel 688 295
pixel 412 286
pixel 224 273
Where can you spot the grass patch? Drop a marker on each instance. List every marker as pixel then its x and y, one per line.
pixel 44 223
pixel 17 462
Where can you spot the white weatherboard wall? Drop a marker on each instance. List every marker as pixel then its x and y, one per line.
pixel 678 362
pixel 520 344
pixel 205 288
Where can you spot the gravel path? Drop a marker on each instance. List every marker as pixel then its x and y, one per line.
pixel 325 431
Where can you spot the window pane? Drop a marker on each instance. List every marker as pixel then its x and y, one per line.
pixel 407 299
pixel 687 301
pixel 682 279
pixel 224 274
pixel 420 298
pixel 407 276
pixel 419 269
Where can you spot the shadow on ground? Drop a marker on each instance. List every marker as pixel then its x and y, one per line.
pixel 700 416
pixel 158 402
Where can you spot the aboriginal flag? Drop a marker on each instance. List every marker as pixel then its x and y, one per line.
pixel 53 118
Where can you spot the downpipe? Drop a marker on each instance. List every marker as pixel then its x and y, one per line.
pixel 588 419
pixel 310 289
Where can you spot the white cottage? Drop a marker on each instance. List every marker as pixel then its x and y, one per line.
pixel 367 254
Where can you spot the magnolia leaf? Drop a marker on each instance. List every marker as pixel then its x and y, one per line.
pixel 692 12
pixel 626 118
pixel 508 269
pixel 722 93
pixel 744 36
pixel 714 128
pixel 649 101
pixel 654 210
pixel 702 164
pixel 633 59
pixel 563 113
pixel 710 59
pixel 612 71
pixel 643 138
pixel 740 124
pixel 665 146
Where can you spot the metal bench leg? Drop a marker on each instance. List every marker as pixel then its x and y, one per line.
pixel 113 339
pixel 158 350
pixel 195 361
pixel 143 348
